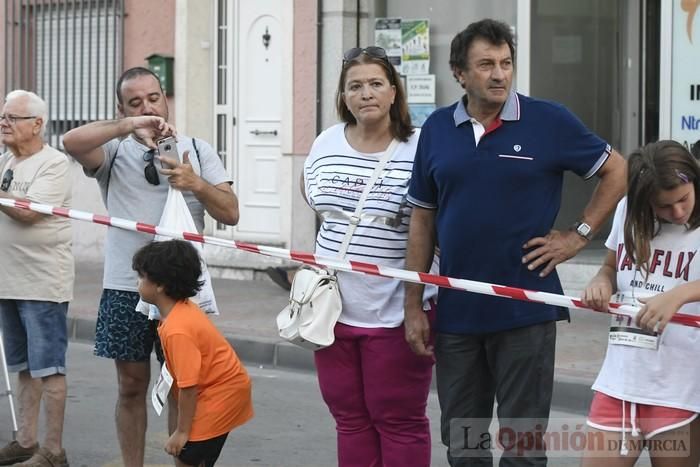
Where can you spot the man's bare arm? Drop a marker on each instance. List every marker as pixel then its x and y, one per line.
pixel 20 215
pixel 419 257
pixel 219 200
pixel 558 246
pixel 609 191
pixel 85 143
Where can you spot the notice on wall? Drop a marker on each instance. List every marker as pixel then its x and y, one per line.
pixel 415 40
pixel 420 112
pixel 407 43
pixel 387 34
pixel 420 89
pixel 685 87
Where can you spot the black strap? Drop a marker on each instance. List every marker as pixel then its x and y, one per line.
pixel 111 164
pixel 109 171
pixel 196 151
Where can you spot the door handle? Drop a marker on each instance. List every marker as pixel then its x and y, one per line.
pixel 257 132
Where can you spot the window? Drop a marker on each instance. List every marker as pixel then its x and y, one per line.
pixel 70 54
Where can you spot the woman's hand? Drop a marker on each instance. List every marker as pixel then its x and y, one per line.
pixel 597 293
pixel 658 310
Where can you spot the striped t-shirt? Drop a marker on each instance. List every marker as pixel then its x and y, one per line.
pixel 335 176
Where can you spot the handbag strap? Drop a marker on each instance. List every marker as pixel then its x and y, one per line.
pixel 355 218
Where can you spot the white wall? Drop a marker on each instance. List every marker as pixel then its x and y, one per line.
pixel 88 238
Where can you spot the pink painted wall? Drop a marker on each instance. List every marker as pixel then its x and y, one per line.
pixel 149 27
pixel 305 67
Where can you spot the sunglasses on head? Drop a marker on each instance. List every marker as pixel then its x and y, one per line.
pixel 372 51
pixel 6 180
pixel 150 171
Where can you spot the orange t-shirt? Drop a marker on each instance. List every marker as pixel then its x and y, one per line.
pixel 198 355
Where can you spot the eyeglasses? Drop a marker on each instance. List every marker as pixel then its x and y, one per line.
pixel 6 180
pixel 150 171
pixel 373 51
pixel 12 119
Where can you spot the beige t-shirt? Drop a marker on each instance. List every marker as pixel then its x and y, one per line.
pixel 37 261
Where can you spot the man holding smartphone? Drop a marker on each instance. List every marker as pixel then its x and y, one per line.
pixel 120 155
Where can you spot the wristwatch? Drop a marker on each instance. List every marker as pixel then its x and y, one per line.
pixel 583 230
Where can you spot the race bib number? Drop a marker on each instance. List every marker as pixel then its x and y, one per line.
pixel 633 336
pixel 624 332
pixel 159 394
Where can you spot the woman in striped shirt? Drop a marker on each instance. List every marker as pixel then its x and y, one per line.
pixel 375 387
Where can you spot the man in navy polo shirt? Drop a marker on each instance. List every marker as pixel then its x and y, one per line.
pixel 486 188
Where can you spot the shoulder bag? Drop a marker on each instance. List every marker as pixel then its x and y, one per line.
pixel 314 299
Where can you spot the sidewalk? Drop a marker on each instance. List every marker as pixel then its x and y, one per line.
pixel 249 307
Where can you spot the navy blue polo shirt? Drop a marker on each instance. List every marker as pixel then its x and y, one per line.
pixel 491 197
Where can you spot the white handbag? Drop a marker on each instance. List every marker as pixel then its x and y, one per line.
pixel 314 308
pixel 314 299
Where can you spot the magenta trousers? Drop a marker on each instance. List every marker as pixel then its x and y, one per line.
pixel 376 388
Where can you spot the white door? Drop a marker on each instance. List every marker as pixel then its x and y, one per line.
pixel 260 70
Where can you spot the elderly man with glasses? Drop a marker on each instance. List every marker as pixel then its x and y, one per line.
pixel 36 282
pixel 134 182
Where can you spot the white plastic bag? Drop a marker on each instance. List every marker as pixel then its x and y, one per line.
pixel 176 216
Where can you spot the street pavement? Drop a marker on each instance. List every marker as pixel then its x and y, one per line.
pixel 292 425
pixel 291 428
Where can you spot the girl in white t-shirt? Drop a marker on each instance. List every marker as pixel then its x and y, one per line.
pixel 647 394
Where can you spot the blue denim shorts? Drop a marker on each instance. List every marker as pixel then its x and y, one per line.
pixel 122 333
pixel 35 336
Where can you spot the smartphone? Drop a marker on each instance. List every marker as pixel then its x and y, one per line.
pixel 167 147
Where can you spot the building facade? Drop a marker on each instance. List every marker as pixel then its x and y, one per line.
pixel 257 79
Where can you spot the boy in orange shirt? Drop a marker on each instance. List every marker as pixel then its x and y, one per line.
pixel 213 387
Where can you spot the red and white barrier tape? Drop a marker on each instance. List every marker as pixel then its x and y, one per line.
pixel 343 265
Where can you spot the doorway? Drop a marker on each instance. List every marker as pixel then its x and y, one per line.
pixel 253 60
pixel 600 59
